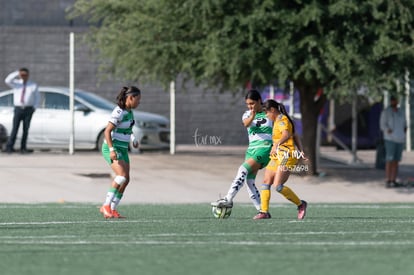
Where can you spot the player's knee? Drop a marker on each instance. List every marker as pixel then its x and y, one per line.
pixel 247 166
pixel 120 180
pixel 251 176
pixel 265 186
pixel 279 188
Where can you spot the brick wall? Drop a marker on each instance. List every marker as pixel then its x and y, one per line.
pixel 36 13
pixel 44 49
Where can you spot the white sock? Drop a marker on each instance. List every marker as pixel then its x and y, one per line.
pixel 254 194
pixel 115 201
pixel 237 183
pixel 109 197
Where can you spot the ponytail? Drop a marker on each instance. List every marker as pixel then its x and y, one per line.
pixel 121 98
pixel 126 91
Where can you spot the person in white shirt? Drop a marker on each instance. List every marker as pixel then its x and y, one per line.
pixel 393 126
pixel 26 99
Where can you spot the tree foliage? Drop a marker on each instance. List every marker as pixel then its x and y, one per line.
pixel 337 45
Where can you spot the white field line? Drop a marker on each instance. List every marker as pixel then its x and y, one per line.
pixel 342 206
pixel 305 233
pixel 78 222
pixel 233 243
pixel 50 206
pixel 145 239
pixel 273 221
pixel 219 234
pixel 355 219
pixel 365 206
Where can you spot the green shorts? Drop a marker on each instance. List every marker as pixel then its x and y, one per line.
pixel 260 154
pixel 121 152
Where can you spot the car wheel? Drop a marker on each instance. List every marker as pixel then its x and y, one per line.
pixel 100 141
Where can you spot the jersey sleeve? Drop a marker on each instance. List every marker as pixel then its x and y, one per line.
pixel 284 124
pixel 116 116
pixel 246 115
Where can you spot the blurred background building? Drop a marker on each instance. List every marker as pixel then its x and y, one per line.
pixel 35 34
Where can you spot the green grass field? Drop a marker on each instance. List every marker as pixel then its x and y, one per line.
pixel 186 239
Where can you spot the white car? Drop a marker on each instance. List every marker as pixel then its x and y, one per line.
pixel 51 128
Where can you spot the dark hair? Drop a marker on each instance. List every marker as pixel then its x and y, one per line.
pixel 124 93
pixel 254 95
pixel 270 103
pixel 26 70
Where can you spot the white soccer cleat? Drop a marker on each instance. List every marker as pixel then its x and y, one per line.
pixel 222 203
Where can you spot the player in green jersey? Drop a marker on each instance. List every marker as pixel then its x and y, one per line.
pixel 259 129
pixel 118 134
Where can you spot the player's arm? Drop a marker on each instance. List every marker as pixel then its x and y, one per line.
pixel 107 133
pixel 134 141
pixel 284 137
pixel 247 121
pixel 298 144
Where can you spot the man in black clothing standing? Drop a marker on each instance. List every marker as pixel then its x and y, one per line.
pixel 26 99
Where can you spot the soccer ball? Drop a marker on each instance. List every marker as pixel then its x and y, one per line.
pixel 221 212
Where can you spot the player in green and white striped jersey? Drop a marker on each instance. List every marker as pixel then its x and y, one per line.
pixel 259 129
pixel 118 134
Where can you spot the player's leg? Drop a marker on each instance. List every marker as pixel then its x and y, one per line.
pixel 113 192
pixel 235 186
pixel 252 190
pixel 119 179
pixel 281 176
pixel 257 162
pixel 120 193
pixel 247 171
pixel 265 192
pixel 250 166
pixel 255 159
pixel 124 163
pixel 237 183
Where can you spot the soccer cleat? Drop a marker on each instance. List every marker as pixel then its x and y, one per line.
pixel 393 184
pixel 302 210
pixel 397 184
pixel 116 215
pixel 262 215
pixel 222 203
pixel 106 211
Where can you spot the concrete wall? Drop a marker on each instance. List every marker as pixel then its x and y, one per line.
pixel 36 13
pixel 35 34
